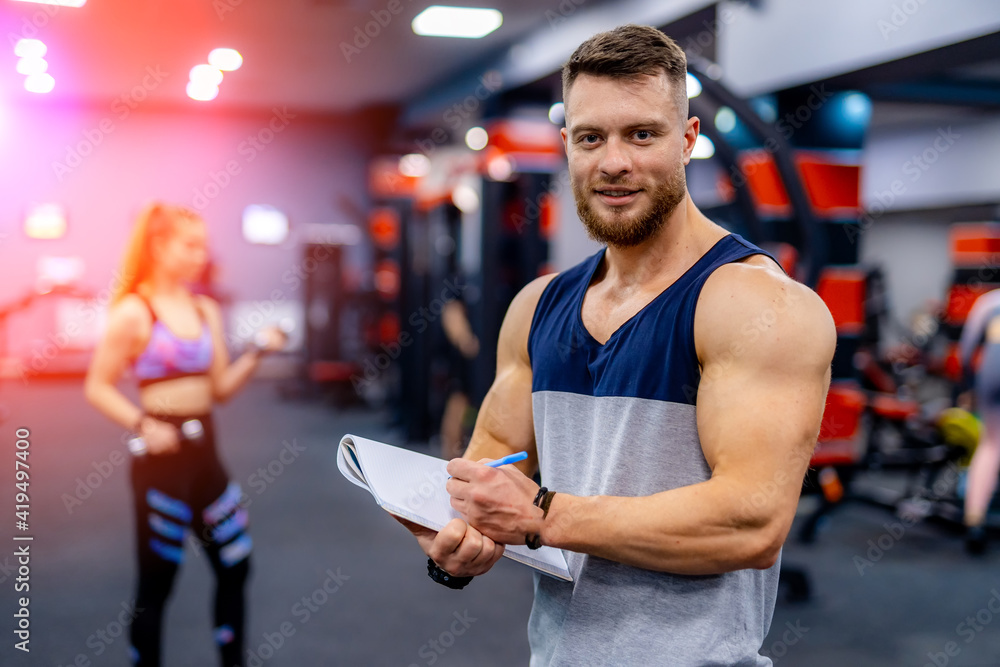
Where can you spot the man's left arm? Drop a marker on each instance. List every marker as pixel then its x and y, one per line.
pixel 765 344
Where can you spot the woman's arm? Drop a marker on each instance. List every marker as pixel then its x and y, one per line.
pixel 228 378
pixel 128 328
pixel 985 307
pixel 128 325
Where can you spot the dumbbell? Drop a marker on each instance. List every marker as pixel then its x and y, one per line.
pixel 286 325
pixel 192 431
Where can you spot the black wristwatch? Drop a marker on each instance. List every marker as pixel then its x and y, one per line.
pixel 445 579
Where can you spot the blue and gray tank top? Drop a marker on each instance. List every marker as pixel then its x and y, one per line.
pixel 619 419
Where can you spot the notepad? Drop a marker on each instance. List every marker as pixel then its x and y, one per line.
pixel 411 485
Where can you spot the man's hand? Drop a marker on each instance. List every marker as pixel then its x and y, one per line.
pixel 504 426
pixel 497 501
pixel 458 549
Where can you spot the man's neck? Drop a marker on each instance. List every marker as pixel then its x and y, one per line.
pixel 686 236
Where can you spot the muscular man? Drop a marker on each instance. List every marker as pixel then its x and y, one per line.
pixel 670 388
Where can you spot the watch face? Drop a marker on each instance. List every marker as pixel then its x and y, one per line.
pixel 445 579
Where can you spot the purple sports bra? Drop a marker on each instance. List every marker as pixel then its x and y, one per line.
pixel 168 356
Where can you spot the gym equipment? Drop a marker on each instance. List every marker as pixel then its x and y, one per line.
pixel 192 431
pixel 960 428
pixel 286 325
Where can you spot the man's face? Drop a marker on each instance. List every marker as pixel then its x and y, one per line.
pixel 627 147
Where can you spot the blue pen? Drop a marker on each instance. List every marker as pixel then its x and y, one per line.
pixel 513 458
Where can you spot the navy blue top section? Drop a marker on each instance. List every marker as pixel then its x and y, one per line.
pixel 652 355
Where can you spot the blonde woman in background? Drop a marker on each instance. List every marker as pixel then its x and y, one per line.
pixel 173 341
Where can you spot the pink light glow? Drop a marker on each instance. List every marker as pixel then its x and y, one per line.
pixel 59 3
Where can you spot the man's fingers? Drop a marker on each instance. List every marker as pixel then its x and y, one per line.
pixel 456 488
pixel 491 552
pixel 463 469
pixel 449 539
pixel 471 547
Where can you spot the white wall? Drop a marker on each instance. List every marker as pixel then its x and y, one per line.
pixel 913 252
pixel 933 163
pixel 301 165
pixel 789 42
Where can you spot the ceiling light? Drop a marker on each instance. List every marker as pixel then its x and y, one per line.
pixel 500 168
pixel 857 107
pixel 693 86
pixel 465 198
pixel 205 75
pixel 557 113
pixel 29 66
pixel 30 48
pixel 467 22
pixel 415 165
pixel 39 83
pixel 201 91
pixel 227 60
pixel 265 225
pixel 47 221
pixel 476 138
pixel 703 148
pixel 725 120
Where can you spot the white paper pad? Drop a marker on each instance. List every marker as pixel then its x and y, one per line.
pixel 412 486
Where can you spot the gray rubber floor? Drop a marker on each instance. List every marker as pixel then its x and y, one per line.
pixel 315 533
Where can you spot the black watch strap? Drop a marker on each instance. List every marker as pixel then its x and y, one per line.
pixel 445 579
pixel 542 499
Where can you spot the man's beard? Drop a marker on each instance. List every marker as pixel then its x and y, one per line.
pixel 624 230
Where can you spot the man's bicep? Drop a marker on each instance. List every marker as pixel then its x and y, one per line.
pixel 760 404
pixel 505 424
pixel 754 422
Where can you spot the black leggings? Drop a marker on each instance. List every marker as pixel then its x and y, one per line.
pixel 174 494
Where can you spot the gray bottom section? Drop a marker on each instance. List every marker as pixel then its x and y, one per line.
pixel 614 614
pixel 902 610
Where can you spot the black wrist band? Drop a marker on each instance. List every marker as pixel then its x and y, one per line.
pixel 535 541
pixel 445 579
pixel 546 502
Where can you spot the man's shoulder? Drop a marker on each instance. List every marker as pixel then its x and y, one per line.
pixel 522 308
pixel 752 281
pixel 743 300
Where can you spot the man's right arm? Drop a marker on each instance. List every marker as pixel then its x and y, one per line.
pixel 504 426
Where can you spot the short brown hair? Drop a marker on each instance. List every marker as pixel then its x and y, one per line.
pixel 630 51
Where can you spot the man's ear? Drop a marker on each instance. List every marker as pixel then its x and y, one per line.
pixel 691 131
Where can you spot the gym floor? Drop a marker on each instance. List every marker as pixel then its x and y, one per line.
pixel 336 582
